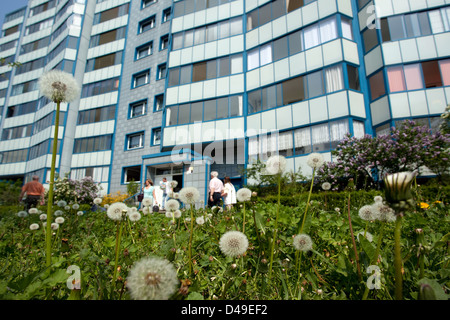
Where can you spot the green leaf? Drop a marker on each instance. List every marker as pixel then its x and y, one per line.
pixel 368 247
pixel 443 241
pixel 60 275
pixel 260 222
pixel 436 287
pixel 194 296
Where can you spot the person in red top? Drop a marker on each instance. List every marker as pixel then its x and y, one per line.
pixel 34 191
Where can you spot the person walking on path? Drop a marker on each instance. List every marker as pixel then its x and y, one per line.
pixel 34 191
pixel 229 193
pixel 149 191
pixel 167 192
pixel 215 189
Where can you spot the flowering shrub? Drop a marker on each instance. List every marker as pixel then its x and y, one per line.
pixel 114 197
pixel 80 191
pixel 368 159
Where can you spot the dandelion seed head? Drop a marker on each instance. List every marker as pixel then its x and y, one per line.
pixel 59 86
pixel 302 242
pixel 172 205
pixel 147 202
pixel 114 211
pixel 61 203
pixel 177 214
pixel 326 186
pixel 98 201
pixel 34 226
pixel 75 206
pixel 189 195
pixel 33 211
pixel 243 194
pixel 384 212
pixel 59 220
pixel 134 216
pixel 152 278
pixel 200 220
pixel 58 213
pixel 22 214
pixel 80 213
pixel 54 226
pixel 67 208
pixel 43 217
pixel 367 213
pixel 378 199
pixel 233 243
pixel 276 164
pixel 315 160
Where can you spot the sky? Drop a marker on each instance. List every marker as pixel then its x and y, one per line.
pixel 7 6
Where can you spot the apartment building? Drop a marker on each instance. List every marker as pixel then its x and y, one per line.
pixel 177 89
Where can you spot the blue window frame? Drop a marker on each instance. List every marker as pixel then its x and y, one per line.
pixel 162 71
pixel 156 136
pixel 158 104
pixel 144 50
pixel 134 140
pixel 137 109
pixel 164 42
pixel 147 24
pixel 141 78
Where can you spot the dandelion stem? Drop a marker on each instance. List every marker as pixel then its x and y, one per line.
pixel 190 240
pixel 375 259
pixel 307 202
pixel 118 238
pixel 48 234
pixel 398 258
pixel 275 229
pixel 353 240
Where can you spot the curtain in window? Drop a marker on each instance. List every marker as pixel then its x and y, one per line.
pixel 334 79
pixel 445 71
pixel 302 137
pixel 285 141
pixel 311 36
pixel 253 146
pixel 358 129
pixel 436 21
pixel 338 130
pixel 268 143
pixel 396 79
pixel 328 30
pixel 413 77
pixel 266 54
pixel 253 59
pixel 320 134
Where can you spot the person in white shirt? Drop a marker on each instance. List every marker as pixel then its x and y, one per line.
pixel 229 193
pixel 167 191
pixel 215 190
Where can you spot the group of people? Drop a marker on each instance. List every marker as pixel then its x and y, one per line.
pixel 219 190
pixel 35 191
pixel 149 191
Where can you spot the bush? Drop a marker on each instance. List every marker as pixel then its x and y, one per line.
pixel 82 191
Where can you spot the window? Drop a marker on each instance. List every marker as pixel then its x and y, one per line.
pixel 431 74
pixel 42 8
pixel 104 61
pixel 100 87
pixel 147 3
pixel 206 110
pixel 98 174
pixel 92 144
pixel 144 50
pixel 135 140
pixel 370 39
pixel 445 70
pixel 111 13
pixel 396 79
pixel 147 24
pixel 132 174
pixel 161 74
pixel 166 14
pixel 24 87
pixel 156 136
pixel 13 156
pixel 138 109
pixel 164 42
pixel 347 31
pixel 376 83
pixel 107 37
pixel 17 132
pixel 159 102
pixel 141 79
pixel 353 78
pixel 293 90
pixel 96 115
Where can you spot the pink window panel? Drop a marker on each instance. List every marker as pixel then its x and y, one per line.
pixel 445 71
pixel 396 79
pixel 413 76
